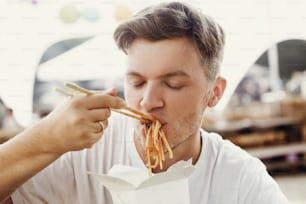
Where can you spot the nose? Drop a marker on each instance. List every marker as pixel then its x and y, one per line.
pixel 152 98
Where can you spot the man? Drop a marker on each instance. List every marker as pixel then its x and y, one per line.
pixel 174 54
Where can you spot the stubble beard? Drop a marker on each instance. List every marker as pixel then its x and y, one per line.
pixel 191 127
pixel 192 131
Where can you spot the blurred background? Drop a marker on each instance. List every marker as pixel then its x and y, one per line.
pixel 44 43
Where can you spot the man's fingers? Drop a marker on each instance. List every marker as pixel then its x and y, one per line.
pixel 98 101
pixel 99 114
pixel 102 125
pixel 112 92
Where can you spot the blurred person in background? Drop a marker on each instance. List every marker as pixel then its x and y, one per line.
pixel 8 124
pixel 2 112
pixel 174 53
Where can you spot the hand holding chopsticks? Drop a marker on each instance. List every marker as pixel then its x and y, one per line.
pixel 130 112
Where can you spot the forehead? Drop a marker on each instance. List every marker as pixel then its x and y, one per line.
pixel 167 54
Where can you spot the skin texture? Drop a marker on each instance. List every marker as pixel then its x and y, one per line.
pixel 165 79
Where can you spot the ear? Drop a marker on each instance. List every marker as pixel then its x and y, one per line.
pixel 217 91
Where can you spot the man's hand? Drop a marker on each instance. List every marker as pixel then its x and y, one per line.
pixel 74 125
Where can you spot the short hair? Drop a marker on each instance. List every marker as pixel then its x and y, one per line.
pixel 176 20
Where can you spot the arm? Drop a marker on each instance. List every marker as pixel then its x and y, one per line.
pixel 71 126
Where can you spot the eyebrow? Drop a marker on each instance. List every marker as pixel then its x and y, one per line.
pixel 163 76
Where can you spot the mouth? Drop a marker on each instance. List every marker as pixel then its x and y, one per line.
pixel 147 124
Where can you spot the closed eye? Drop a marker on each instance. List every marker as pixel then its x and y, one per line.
pixel 175 86
pixel 138 84
pixel 135 82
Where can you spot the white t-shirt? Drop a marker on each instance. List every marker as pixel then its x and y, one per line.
pixel 224 173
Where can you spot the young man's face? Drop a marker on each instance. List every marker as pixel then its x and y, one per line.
pixel 166 80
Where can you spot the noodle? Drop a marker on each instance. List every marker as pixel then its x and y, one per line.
pixel 155 139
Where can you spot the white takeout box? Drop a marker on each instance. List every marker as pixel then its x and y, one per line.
pixel 129 185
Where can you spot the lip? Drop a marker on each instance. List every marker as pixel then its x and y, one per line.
pixel 162 122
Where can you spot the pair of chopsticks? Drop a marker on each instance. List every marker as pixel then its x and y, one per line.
pixel 128 111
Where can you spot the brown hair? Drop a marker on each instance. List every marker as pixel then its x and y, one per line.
pixel 174 20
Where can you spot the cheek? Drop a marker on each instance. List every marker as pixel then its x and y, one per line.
pixel 188 113
pixel 189 119
pixel 188 102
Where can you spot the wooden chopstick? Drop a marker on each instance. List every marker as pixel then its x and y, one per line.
pixel 130 115
pixel 64 92
pixel 146 116
pixel 78 88
pixel 134 113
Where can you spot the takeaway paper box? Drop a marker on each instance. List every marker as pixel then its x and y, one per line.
pixel 130 185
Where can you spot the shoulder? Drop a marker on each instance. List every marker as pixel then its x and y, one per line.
pixel 237 169
pixel 227 155
pixel 224 148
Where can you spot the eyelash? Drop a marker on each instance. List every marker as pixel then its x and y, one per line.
pixel 174 87
pixel 138 84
